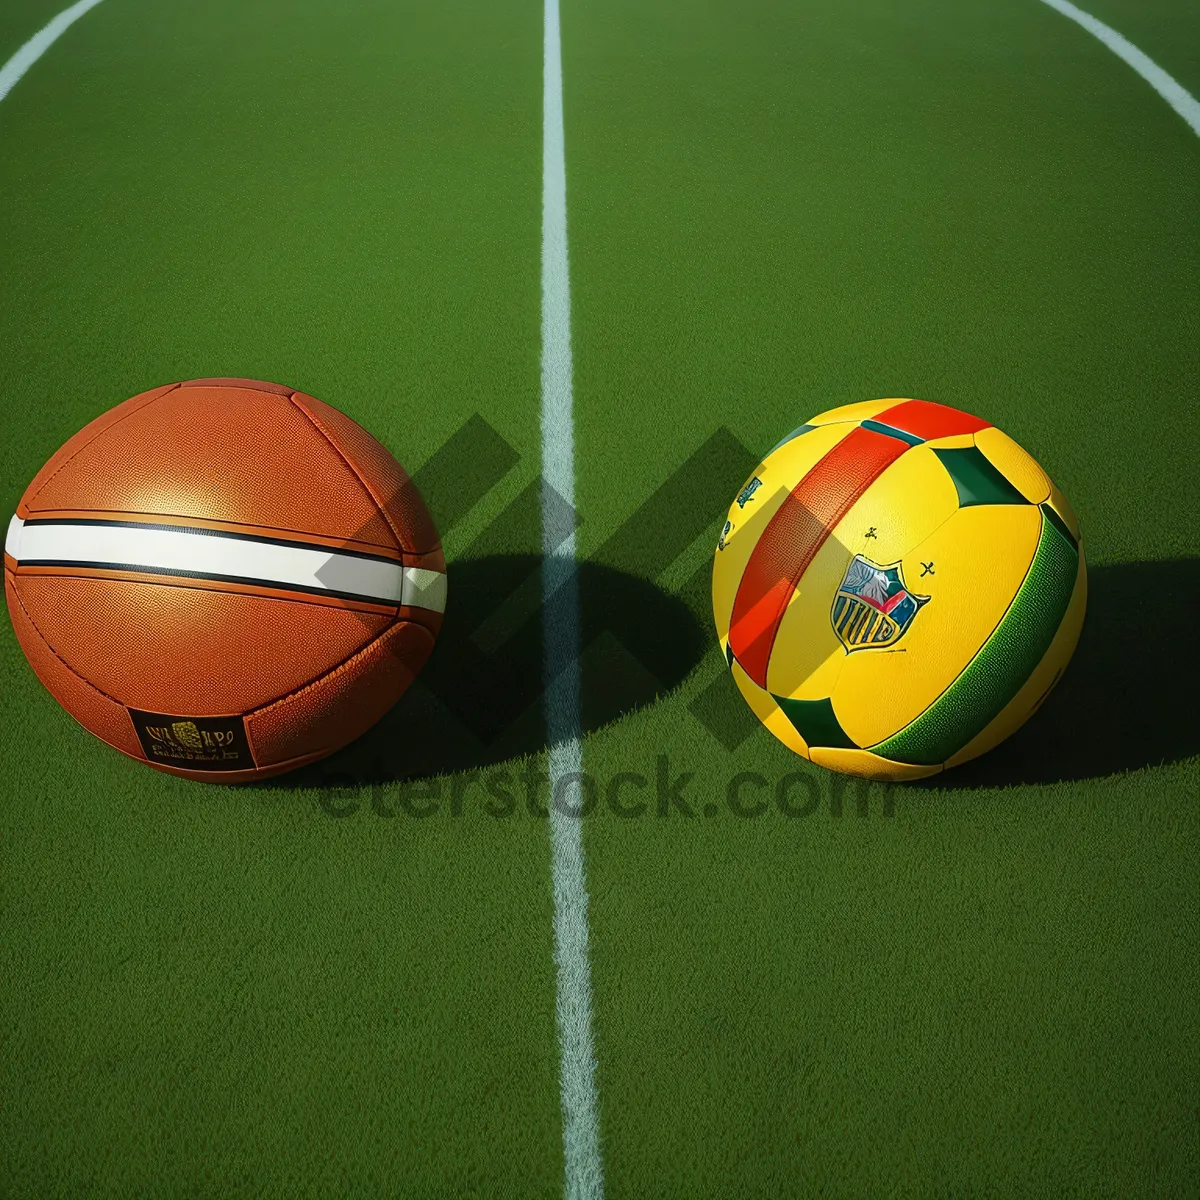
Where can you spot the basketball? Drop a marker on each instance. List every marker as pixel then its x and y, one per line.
pixel 224 579
pixel 897 588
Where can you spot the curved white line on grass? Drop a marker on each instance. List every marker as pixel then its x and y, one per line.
pixel 1173 92
pixel 37 45
pixel 582 1171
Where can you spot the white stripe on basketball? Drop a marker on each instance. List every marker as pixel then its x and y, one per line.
pixel 424 589
pixel 12 539
pixel 150 548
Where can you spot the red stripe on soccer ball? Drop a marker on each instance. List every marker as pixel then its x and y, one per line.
pixel 794 535
pixel 924 419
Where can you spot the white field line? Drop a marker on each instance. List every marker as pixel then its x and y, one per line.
pixel 582 1171
pixel 1173 92
pixel 37 45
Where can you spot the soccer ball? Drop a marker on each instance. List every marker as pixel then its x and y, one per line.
pixel 897 588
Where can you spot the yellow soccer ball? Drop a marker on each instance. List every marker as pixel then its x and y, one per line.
pixel 897 588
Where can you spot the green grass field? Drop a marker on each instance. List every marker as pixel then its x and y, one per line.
pixel 976 985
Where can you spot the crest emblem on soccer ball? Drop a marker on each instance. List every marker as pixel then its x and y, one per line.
pixel 873 607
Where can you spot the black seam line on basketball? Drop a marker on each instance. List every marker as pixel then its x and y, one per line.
pixel 225 533
pixel 262 708
pixel 238 385
pixel 79 450
pixel 891 431
pixel 273 585
pixel 290 596
pixel 333 671
pixel 66 666
pixel 332 442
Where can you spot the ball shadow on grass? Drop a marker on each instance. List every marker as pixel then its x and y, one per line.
pixel 1128 697
pixel 479 700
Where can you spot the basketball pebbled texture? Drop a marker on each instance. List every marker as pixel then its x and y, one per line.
pixel 224 578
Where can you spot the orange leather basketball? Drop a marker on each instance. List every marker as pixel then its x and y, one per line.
pixel 224 578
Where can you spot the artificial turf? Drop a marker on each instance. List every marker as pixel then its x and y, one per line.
pixel 981 985
pixel 777 210
pixel 209 989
